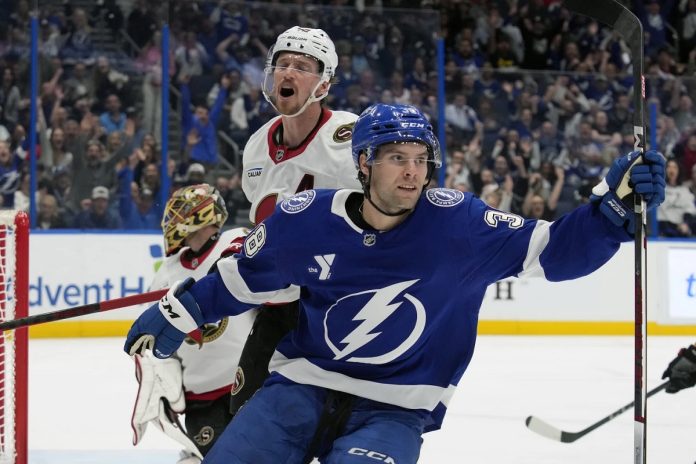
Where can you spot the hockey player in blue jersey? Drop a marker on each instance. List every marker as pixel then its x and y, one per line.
pixel 383 336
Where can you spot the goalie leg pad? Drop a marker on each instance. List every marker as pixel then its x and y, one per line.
pixel 157 379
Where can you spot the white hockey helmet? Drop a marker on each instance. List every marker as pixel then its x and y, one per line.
pixel 306 41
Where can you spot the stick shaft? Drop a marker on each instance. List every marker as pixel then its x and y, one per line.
pixel 77 311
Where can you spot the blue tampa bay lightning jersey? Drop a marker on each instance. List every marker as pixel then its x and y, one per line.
pixel 391 316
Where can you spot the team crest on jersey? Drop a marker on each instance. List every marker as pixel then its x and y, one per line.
pixel 444 197
pixel 238 381
pixel 210 332
pixel 298 202
pixel 375 326
pixel 204 436
pixel 343 133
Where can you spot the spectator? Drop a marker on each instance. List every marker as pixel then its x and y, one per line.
pixel 654 14
pixel 54 154
pixel 21 195
pixel 248 113
pixel 62 191
pixel 92 169
pixel 687 44
pixel 142 23
pixel 49 216
pixel 418 76
pixel 77 43
pixel 203 123
pixel 467 58
pixel 463 119
pixel 150 62
pixel 96 214
pixel 541 200
pixel 685 152
pixel 136 205
pixel 684 115
pixel 10 174
pixel 113 119
pixel 677 214
pixel 191 57
pixel 195 174
pixel 108 81
pixel 79 85
pixel 9 100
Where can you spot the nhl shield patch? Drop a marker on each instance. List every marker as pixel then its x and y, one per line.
pixel 444 197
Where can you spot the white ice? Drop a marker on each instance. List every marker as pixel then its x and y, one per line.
pixel 81 393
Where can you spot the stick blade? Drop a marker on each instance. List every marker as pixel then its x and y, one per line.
pixel 543 428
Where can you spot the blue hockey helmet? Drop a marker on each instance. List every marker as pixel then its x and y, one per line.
pixel 382 123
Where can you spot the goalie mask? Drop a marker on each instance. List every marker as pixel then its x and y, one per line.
pixel 314 43
pixel 188 210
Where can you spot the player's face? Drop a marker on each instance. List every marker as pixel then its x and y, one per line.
pixel 294 78
pixel 398 175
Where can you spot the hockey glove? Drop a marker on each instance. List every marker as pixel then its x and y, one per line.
pixel 164 325
pixel 628 175
pixel 682 370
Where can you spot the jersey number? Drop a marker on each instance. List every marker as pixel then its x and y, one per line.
pixel 493 218
pixel 268 204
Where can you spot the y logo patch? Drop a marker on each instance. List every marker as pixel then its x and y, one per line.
pixel 325 262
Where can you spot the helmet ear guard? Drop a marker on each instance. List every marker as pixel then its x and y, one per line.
pixel 190 209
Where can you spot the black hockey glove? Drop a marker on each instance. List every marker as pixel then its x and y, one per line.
pixel 682 370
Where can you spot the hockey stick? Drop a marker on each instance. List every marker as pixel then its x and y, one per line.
pixel 549 431
pixel 91 308
pixel 622 20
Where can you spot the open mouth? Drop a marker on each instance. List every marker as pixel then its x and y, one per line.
pixel 286 92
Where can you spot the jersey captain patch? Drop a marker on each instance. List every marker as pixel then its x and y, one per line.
pixel 444 197
pixel 343 133
pixel 298 202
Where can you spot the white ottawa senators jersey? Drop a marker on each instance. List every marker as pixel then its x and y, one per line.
pixel 210 369
pixel 274 172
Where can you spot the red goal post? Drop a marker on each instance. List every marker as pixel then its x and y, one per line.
pixel 14 303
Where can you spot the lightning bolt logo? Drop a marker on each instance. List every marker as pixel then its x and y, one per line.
pixel 372 314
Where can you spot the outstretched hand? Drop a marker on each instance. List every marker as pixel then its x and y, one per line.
pixel 682 370
pixel 632 174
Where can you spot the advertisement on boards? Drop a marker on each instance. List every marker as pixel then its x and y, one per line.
pixel 67 270
pixel 681 271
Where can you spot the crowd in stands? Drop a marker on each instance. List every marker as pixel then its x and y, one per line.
pixel 538 101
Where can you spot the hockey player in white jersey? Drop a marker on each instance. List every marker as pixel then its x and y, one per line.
pixel 196 381
pixel 383 338
pixel 307 146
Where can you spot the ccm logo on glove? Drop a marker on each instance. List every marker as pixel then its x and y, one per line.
pixel 168 307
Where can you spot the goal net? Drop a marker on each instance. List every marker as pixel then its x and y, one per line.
pixel 14 294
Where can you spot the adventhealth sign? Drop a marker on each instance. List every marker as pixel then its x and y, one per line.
pixel 72 269
pixel 681 265
pixel 65 294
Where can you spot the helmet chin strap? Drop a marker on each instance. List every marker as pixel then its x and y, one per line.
pixel 366 190
pixel 310 99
